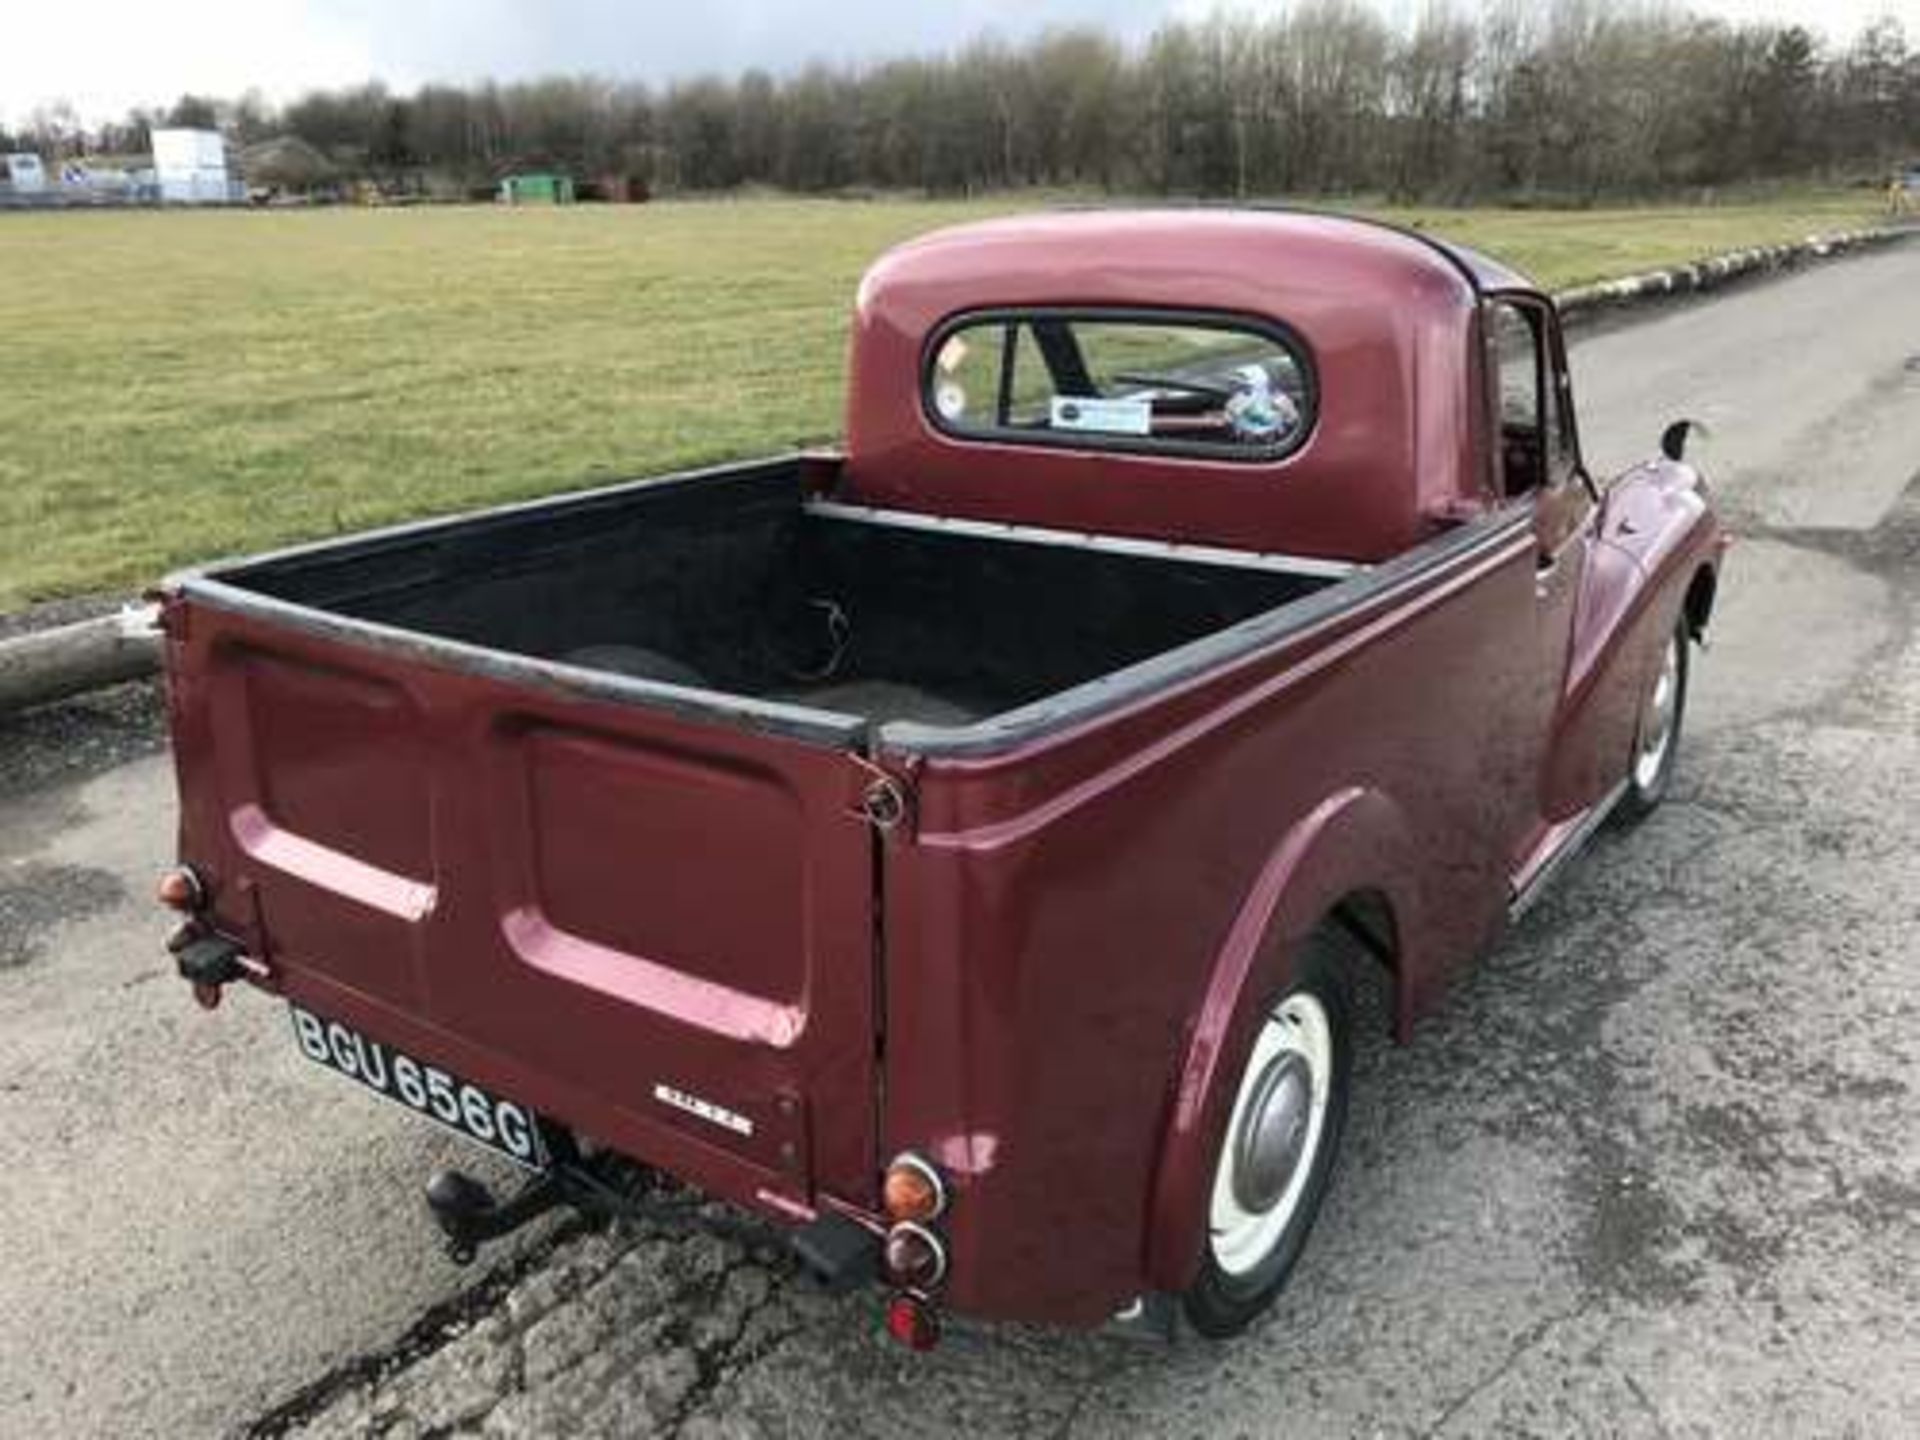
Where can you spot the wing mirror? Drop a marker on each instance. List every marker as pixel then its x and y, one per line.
pixel 1673 440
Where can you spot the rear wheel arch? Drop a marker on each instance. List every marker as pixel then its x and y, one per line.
pixel 1367 918
pixel 1343 865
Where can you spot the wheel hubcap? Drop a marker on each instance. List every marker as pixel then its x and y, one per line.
pixel 1274 1134
pixel 1656 719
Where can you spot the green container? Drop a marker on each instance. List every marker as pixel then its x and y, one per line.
pixel 537 188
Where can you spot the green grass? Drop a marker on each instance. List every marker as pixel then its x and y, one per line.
pixel 179 386
pixel 1564 248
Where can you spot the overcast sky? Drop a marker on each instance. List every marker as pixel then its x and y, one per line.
pixel 113 54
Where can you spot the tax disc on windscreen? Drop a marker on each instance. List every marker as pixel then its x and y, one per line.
pixel 950 400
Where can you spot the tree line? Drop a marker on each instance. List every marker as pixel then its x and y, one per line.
pixel 1552 99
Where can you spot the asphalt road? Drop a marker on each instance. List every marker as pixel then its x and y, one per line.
pixel 1655 1169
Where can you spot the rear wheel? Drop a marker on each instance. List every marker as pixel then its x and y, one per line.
pixel 1656 744
pixel 1277 1154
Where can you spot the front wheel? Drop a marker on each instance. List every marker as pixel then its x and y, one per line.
pixel 1656 744
pixel 1277 1154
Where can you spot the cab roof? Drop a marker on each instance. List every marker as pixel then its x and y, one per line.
pixel 1102 254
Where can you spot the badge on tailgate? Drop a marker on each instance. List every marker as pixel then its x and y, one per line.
pixel 706 1109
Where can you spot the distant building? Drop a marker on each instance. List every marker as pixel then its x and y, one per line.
pixel 24 172
pixel 191 166
pixel 622 189
pixel 286 165
pixel 537 188
pixel 97 178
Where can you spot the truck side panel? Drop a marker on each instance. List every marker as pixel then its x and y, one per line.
pixel 1057 921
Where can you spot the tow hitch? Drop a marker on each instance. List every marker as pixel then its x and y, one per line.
pixel 208 961
pixel 469 1216
pixel 838 1252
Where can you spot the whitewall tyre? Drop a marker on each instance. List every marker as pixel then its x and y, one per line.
pixel 1277 1153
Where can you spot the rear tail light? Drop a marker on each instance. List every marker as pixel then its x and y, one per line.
pixel 914 1196
pixel 181 889
pixel 912 1323
pixel 913 1190
pixel 915 1256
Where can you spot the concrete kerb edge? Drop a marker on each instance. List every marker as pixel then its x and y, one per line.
pixel 1703 276
pixel 44 666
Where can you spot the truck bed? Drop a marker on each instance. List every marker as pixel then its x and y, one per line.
pixel 735 584
pixel 566 798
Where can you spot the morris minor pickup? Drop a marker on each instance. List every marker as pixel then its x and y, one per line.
pixel 958 848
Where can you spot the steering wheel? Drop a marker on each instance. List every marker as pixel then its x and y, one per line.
pixel 1219 394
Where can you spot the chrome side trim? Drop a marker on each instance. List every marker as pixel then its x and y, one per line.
pixel 1109 544
pixel 1542 872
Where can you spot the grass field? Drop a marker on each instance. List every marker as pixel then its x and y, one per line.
pixel 179 386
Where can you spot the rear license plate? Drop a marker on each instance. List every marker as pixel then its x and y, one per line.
pixel 502 1126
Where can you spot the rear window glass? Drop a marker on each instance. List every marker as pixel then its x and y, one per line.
pixel 1202 385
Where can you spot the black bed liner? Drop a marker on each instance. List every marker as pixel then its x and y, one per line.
pixel 735 584
pixel 760 607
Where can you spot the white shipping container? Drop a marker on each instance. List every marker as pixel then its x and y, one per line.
pixel 189 150
pixel 196 187
pixel 191 167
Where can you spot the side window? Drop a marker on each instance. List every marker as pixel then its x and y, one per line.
pixel 1221 386
pixel 1536 431
pixel 1518 365
pixel 1563 449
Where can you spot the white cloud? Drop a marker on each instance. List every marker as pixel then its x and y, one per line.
pixel 119 53
pixel 132 52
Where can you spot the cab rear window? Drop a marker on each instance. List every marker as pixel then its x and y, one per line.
pixel 1219 386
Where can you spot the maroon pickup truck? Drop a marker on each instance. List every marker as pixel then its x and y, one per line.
pixel 953 848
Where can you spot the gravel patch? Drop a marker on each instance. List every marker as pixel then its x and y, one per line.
pixel 35 898
pixel 80 738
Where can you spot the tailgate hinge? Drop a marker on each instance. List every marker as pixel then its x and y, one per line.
pixel 885 800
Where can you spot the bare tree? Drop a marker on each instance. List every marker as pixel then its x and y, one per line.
pixel 1566 99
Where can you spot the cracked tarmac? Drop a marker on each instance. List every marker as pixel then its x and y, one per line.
pixel 1653 1170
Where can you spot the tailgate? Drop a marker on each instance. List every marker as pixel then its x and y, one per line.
pixel 656 927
